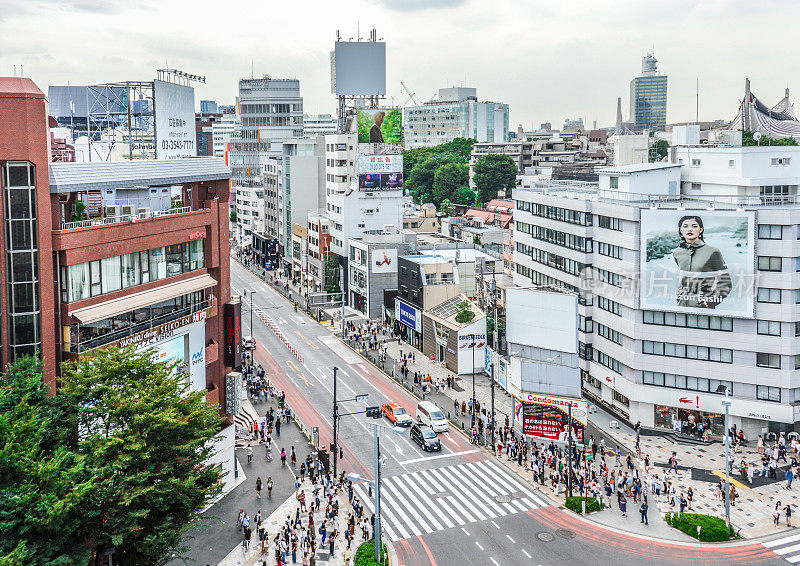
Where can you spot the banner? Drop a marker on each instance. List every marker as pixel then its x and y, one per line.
pixel 233 334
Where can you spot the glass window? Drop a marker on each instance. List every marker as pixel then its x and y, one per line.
pixel 767 360
pixel 158 264
pixel 174 255
pixel 769 263
pixel 196 254
pixel 769 327
pixel 770 231
pixel 766 295
pixel 111 274
pixel 95 271
pixel 766 393
pixel 144 262
pixel 131 274
pixel 78 281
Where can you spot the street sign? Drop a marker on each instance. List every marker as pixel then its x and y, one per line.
pixel 362 398
pixel 315 436
pixel 589 454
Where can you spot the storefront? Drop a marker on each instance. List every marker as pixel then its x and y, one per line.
pixel 689 421
pixel 409 322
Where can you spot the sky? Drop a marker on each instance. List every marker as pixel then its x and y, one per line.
pixel 547 60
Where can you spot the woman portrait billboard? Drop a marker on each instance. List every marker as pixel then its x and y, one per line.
pixel 697 261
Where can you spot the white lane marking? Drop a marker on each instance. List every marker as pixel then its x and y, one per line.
pixel 422 483
pixel 493 560
pixel 496 525
pixel 465 531
pixel 458 499
pixel 793 559
pixel 477 489
pixel 438 456
pixel 497 488
pixel 402 488
pixel 468 495
pixel 780 541
pixel 511 539
pixel 525 552
pixel 479 545
pixel 787 550
pixel 456 509
pixel 394 499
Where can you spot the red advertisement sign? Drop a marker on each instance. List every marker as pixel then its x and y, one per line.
pixel 233 334
pixel 549 423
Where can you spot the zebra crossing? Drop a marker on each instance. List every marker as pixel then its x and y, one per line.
pixel 787 548
pixel 431 500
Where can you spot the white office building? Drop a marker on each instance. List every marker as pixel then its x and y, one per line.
pixel 669 321
pixel 221 133
pixel 318 125
pixel 456 114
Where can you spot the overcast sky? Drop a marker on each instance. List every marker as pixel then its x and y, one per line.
pixel 547 60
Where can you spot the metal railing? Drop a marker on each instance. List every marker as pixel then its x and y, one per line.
pixel 126 218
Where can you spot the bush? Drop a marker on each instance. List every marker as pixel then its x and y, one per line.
pixel 712 529
pixel 592 504
pixel 365 555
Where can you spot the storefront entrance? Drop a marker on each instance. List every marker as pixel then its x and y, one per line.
pixel 689 421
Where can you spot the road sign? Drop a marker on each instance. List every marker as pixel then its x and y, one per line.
pixel 362 398
pixel 589 453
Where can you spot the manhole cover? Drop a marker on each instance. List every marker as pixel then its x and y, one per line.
pixel 502 499
pixel 545 537
pixel 565 533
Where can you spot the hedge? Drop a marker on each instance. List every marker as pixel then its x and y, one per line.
pixel 712 529
pixel 365 555
pixel 575 503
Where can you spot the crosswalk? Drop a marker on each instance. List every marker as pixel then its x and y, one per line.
pixel 431 500
pixel 787 548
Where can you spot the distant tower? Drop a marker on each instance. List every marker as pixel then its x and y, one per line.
pixel 649 97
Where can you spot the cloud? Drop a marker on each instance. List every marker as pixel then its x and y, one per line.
pixel 415 5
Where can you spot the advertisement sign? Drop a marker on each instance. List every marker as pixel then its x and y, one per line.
pixel 408 315
pixel 542 319
pixel 392 163
pixel 173 105
pixel 698 261
pixel 380 182
pixel 500 376
pixel 233 334
pixel 358 68
pixel 376 125
pixel 233 393
pixel 546 416
pixel 384 260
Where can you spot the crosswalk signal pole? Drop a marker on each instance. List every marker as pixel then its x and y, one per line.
pixel 377 494
pixel 569 450
pixel 335 420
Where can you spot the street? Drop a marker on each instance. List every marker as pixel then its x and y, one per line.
pixel 459 506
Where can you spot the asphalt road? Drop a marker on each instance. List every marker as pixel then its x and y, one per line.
pixel 454 508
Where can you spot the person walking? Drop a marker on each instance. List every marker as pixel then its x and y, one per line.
pixel 269 487
pixel 776 514
pixel 623 504
pixel 249 454
pixel 788 512
pixel 258 487
pixel 643 511
pixel 789 478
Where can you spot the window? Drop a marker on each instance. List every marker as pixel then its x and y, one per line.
pixel 613 182
pixel 620 398
pixel 781 160
pixel 609 223
pixel 768 327
pixel 588 379
pixel 689 351
pixel 131 273
pixel 695 163
pixel 769 263
pixel 111 274
pixel 770 231
pixel 766 393
pixel 609 305
pixel 585 324
pixel 556 237
pixel 585 351
pixel 609 250
pixel 682 320
pixel 731 163
pixel 767 360
pixel 766 295
pixel 609 277
pixel 609 333
pixel 609 362
pixel 677 381
pixel 696 186
pixel 797 328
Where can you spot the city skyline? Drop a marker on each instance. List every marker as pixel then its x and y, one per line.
pixel 429 45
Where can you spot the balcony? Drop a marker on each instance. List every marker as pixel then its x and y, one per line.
pixel 103 221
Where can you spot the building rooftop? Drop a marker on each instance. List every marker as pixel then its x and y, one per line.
pixel 19 87
pixel 636 168
pixel 99 175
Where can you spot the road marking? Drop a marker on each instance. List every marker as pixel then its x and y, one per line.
pixel 313 346
pixel 493 560
pixel 525 552
pixel 300 334
pixel 292 365
pixel 465 531
pixel 511 539
pixel 738 484
pixel 496 525
pixel 479 545
pixel 784 540
pixel 437 456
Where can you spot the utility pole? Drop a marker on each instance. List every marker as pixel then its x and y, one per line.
pixel 377 495
pixel 569 450
pixel 727 404
pixel 341 288
pixel 497 348
pixel 335 420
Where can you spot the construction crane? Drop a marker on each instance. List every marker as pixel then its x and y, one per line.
pixel 411 95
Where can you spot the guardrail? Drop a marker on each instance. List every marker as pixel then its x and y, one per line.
pixel 126 218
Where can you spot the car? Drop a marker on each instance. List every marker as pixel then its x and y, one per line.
pixel 249 343
pixel 397 414
pixel 425 437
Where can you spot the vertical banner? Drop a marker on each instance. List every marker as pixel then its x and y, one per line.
pixel 233 334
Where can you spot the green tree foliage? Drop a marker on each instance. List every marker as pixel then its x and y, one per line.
pixel 420 166
pixel 129 445
pixel 448 179
pixel 233 215
pixel 465 313
pixel 494 172
pixel 464 195
pixel 748 140
pixel 447 208
pixel 662 148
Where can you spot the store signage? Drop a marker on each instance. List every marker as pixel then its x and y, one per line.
pixel 233 334
pixel 408 315
pixel 197 235
pixel 159 333
pixel 233 393
pixel 471 340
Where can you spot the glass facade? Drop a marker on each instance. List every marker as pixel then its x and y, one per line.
pixel 22 254
pixel 649 102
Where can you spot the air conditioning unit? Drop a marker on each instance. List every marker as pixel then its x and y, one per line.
pixel 144 211
pixel 127 210
pixel 111 211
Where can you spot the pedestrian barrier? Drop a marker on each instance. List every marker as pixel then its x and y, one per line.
pixel 613 424
pixel 266 319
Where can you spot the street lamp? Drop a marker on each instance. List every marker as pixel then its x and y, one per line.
pixel 727 404
pixel 251 312
pixel 376 433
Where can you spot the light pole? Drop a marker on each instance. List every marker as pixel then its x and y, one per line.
pixel 335 421
pixel 727 404
pixel 251 313
pixel 569 450
pixel 497 348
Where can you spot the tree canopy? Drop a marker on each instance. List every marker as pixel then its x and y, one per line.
pixel 494 172
pixel 117 457
pixel 749 140
pixel 420 168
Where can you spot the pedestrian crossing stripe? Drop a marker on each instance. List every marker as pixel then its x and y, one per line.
pixel 435 499
pixel 790 553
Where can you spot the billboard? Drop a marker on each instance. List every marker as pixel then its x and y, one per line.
pixel 380 182
pixel 391 163
pixel 384 260
pixel 175 129
pixel 376 125
pixel 233 334
pixel 542 319
pixel 547 417
pixel 698 261
pixel 408 315
pixel 358 68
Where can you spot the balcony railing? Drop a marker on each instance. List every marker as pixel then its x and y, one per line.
pixel 125 218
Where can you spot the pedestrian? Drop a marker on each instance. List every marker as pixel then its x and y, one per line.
pixel 776 514
pixel 689 498
pixel 258 487
pixel 269 487
pixel 623 504
pixel 788 512
pixel 246 538
pixel 643 511
pixel 683 503
pixel 789 478
pixel 249 454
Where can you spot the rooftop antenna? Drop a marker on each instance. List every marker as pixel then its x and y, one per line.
pixel 697 102
pixel 252 69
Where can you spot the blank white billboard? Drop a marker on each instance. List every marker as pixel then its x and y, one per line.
pixel 358 68
pixel 542 319
pixel 175 130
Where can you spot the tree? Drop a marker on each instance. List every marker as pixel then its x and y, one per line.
pixel 662 148
pixel 128 446
pixel 448 179
pixel 494 172
pixel 420 181
pixel 465 313
pixel 233 215
pixel 464 195
pixel 447 208
pixel 749 140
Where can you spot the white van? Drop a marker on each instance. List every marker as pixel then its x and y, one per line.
pixel 432 416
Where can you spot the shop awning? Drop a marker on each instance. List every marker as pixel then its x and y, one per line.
pixel 143 299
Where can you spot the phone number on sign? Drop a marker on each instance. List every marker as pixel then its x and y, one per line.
pixel 184 144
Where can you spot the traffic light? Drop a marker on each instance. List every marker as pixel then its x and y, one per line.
pixel 374 412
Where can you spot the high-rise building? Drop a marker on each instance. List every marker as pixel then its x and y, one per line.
pixel 649 97
pixel 318 125
pixel 208 107
pixel 456 114
pixel 685 273
pixel 112 253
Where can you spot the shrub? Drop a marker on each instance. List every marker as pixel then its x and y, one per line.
pixel 712 529
pixel 365 555
pixel 575 503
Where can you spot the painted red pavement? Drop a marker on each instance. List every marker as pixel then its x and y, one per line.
pixel 640 547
